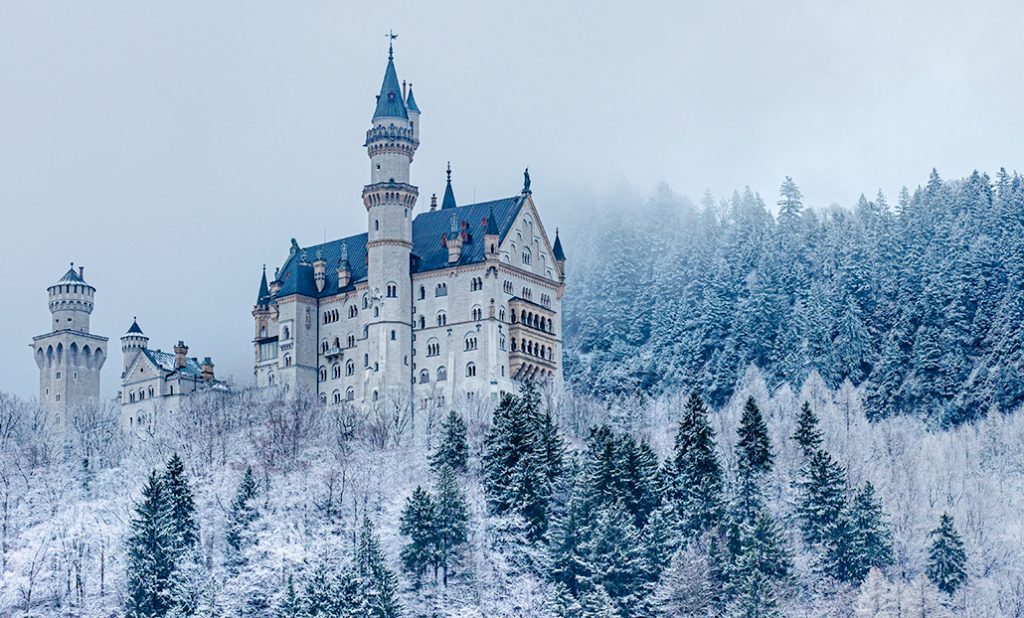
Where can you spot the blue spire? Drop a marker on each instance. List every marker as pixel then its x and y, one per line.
pixel 410 102
pixel 389 101
pixel 264 296
pixel 134 328
pixel 557 249
pixel 492 224
pixel 449 195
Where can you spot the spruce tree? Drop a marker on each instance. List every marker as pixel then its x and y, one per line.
pixel 614 556
pixel 807 434
pixel 181 505
pixel 870 529
pixel 241 517
pixel 451 522
pixel 453 451
pixel 377 584
pixel 290 605
pixel 756 599
pixel 763 549
pixel 755 458
pixel 562 603
pixel 419 524
pixel 150 553
pixel 947 559
pixel 696 472
pixel 821 501
pixel 565 538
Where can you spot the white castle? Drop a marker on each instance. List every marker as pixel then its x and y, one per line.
pixel 457 301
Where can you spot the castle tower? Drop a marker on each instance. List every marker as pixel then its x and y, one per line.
pixel 389 200
pixel 69 356
pixel 132 342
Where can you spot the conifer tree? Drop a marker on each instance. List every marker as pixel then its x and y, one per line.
pixel 696 472
pixel 756 599
pixel 597 603
pixel 614 556
pixel 565 538
pixel 562 604
pixel 453 451
pixel 241 517
pixel 181 505
pixel 807 434
pixel 150 554
pixel 290 605
pixel 947 559
pixel 763 549
pixel 821 501
pixel 755 458
pixel 870 530
pixel 419 524
pixel 377 584
pixel 451 522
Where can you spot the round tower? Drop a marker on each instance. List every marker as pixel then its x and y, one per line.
pixel 71 301
pixel 133 342
pixel 389 199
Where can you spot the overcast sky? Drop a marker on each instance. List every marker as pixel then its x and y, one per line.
pixel 174 147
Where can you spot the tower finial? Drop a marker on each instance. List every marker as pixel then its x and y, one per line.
pixel 391 44
pixel 449 173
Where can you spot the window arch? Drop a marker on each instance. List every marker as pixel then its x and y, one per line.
pixel 350 367
pixel 392 290
pixel 423 292
pixel 336 396
pixel 478 313
pixel 350 394
pixel 442 374
pixel 351 340
pixel 442 318
pixel 527 256
pixel 433 347
pixel 470 370
pixel 423 321
pixel 287 360
pixel 285 333
pixel 353 311
pixel 424 376
pixel 323 373
pixel 441 289
pixel 336 371
pixel 470 342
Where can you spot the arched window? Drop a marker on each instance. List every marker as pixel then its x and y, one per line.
pixel 350 367
pixel 470 370
pixel 508 287
pixel 442 319
pixel 323 373
pixel 393 335
pixel 424 376
pixel 353 311
pixel 501 342
pixel 351 340
pixel 285 333
pixel 337 396
pixel 470 342
pixel 287 360
pixel 441 289
pixel 392 290
pixel 423 321
pixel 501 313
pixel 478 314
pixel 336 371
pixel 527 256
pixel 433 348
pixel 442 374
pixel 350 394
pixel 423 292
pixel 366 301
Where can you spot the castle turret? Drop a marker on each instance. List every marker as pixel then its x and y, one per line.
pixel 389 199
pixel 180 355
pixel 492 238
pixel 414 113
pixel 344 268
pixel 559 256
pixel 69 357
pixel 132 342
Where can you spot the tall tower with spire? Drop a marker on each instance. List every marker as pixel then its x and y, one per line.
pixel 389 198
pixel 69 356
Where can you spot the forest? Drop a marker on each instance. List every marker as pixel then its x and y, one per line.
pixel 918 300
pixel 806 414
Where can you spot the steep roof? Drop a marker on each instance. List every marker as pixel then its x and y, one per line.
pixel 557 249
pixel 449 196
pixel 71 276
pixel 429 254
pixel 492 224
pixel 410 101
pixel 165 362
pixel 263 297
pixel 389 101
pixel 134 328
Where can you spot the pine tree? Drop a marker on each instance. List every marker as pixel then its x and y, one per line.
pixel 377 584
pixel 686 587
pixel 597 603
pixel 451 522
pixel 562 604
pixel 150 553
pixel 790 205
pixel 807 434
pixel 453 450
pixel 614 556
pixel 756 599
pixel 946 557
pixel 181 505
pixel 241 517
pixel 763 549
pixel 290 605
pixel 419 524
pixel 821 502
pixel 565 538
pixel 754 452
pixel 696 472
pixel 870 529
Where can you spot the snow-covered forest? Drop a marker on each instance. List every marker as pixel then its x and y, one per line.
pixel 562 505
pixel 918 297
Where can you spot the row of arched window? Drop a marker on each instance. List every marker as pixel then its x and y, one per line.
pixel 533 349
pixel 534 320
pixel 141 396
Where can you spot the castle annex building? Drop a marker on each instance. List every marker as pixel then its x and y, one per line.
pixel 461 300
pixel 69 356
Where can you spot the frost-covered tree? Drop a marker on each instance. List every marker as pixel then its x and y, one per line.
pixel 807 433
pixel 755 458
pixel 243 513
pixel 181 505
pixel 290 604
pixel 150 553
pixel 419 525
pixel 453 451
pixel 377 585
pixel 451 522
pixel 947 560
pixel 696 474
pixel 821 502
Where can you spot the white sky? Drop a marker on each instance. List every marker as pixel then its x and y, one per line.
pixel 172 148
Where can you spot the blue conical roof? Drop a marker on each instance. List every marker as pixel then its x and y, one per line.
pixel 389 101
pixel 492 223
pixel 71 276
pixel 134 328
pixel 264 295
pixel 410 101
pixel 449 195
pixel 557 249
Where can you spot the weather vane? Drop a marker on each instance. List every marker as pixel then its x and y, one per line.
pixel 391 46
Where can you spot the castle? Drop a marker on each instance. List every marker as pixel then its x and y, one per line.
pixel 458 301
pixel 69 356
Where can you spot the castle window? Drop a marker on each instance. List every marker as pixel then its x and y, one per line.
pixel 478 313
pixel 323 398
pixel 376 312
pixel 376 225
pixel 353 311
pixel 476 284
pixel 58 375
pixel 337 396
pixel 393 335
pixel 366 304
pixel 501 342
pixel 433 348
pixel 509 289
pixel 351 341
pixel 376 396
pixel 470 342
pixel 423 292
pixel 263 331
pixel 350 367
pixel 324 346
pixel 131 397
pixel 423 321
pixel 350 394
pixel 335 371
pixel 470 370
pixel 337 343
pixel 366 360
pixel 442 319
pixel 323 373
pixel 285 333
pixel 287 360
pixel 424 376
pixel 527 257
pixel 392 290
pixel 442 374
pixel 150 392
pixel 441 289
pixel 501 313
pixel 366 332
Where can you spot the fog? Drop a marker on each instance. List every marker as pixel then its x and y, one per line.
pixel 174 148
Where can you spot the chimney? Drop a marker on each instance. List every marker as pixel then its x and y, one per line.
pixel 81 273
pixel 180 355
pixel 454 241
pixel 207 369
